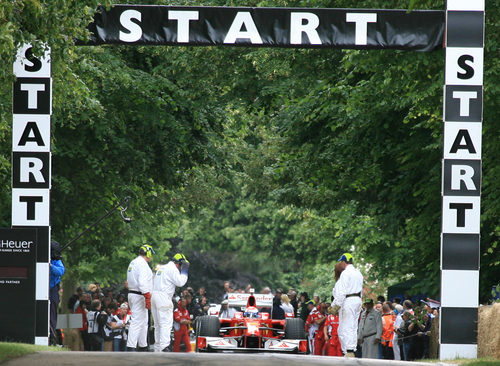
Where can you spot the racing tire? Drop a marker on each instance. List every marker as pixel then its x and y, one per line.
pixel 294 329
pixel 206 326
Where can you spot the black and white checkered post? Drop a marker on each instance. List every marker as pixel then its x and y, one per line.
pixel 31 167
pixel 461 184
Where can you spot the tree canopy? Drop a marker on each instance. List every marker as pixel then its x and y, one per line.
pixel 263 164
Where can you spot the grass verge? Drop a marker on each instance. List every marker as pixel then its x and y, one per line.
pixel 481 362
pixel 9 351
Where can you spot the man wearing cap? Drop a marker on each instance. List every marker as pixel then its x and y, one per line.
pixel 347 298
pixel 225 311
pixel 431 307
pixel 168 276
pixel 140 281
pixel 370 330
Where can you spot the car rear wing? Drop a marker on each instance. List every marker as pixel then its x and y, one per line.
pixel 241 300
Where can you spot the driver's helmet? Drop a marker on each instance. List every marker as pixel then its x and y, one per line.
pixel 251 312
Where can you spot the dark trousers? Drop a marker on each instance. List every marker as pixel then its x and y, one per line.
pixel 86 340
pixel 406 351
pixel 416 349
pixel 54 303
pixel 425 341
pixel 387 352
pixel 96 342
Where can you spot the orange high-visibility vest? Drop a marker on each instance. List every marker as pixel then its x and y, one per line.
pixel 387 329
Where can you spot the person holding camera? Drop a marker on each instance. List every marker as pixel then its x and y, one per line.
pixel 122 319
pixel 83 309
pixel 112 328
pixel 168 276
pixel 140 281
pixel 96 319
pixel 57 270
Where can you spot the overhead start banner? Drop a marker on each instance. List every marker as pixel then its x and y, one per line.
pixel 419 30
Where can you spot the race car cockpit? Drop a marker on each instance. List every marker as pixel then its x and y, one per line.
pixel 251 312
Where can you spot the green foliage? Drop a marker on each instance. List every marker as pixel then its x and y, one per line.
pixel 263 164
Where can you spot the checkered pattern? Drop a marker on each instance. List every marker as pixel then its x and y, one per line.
pixel 461 184
pixel 31 163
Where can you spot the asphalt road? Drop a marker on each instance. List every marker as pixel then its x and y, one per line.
pixel 187 359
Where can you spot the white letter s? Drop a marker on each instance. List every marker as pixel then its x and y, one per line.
pixel 134 29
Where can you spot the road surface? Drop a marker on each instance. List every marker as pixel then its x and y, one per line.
pixel 188 359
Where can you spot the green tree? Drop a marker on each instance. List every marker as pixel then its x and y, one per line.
pixel 265 164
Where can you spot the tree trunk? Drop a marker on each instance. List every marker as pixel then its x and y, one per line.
pixel 69 285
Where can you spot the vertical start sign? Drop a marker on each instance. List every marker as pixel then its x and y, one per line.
pixel 461 183
pixel 31 166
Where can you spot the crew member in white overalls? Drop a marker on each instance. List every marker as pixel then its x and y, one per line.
pixel 140 283
pixel 347 297
pixel 168 276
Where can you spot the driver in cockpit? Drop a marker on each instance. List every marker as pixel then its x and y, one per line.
pixel 251 312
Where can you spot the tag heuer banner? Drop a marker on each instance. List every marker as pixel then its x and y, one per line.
pixel 419 30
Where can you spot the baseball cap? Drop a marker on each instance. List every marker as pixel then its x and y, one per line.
pixel 346 257
pixel 124 306
pixel 368 301
pixel 432 304
pixel 311 302
pixel 224 302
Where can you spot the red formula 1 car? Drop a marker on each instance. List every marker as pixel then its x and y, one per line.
pixel 250 329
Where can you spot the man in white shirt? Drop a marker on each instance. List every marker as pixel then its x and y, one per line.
pixel 140 282
pixel 347 298
pixel 225 311
pixel 168 276
pixel 397 323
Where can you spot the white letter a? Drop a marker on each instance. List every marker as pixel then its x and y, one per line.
pixel 235 32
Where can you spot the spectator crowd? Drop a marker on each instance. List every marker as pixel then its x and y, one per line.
pixel 106 318
pixel 397 330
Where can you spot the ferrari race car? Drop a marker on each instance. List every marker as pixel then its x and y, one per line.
pixel 250 329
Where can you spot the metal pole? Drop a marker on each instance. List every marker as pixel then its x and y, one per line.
pixel 108 213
